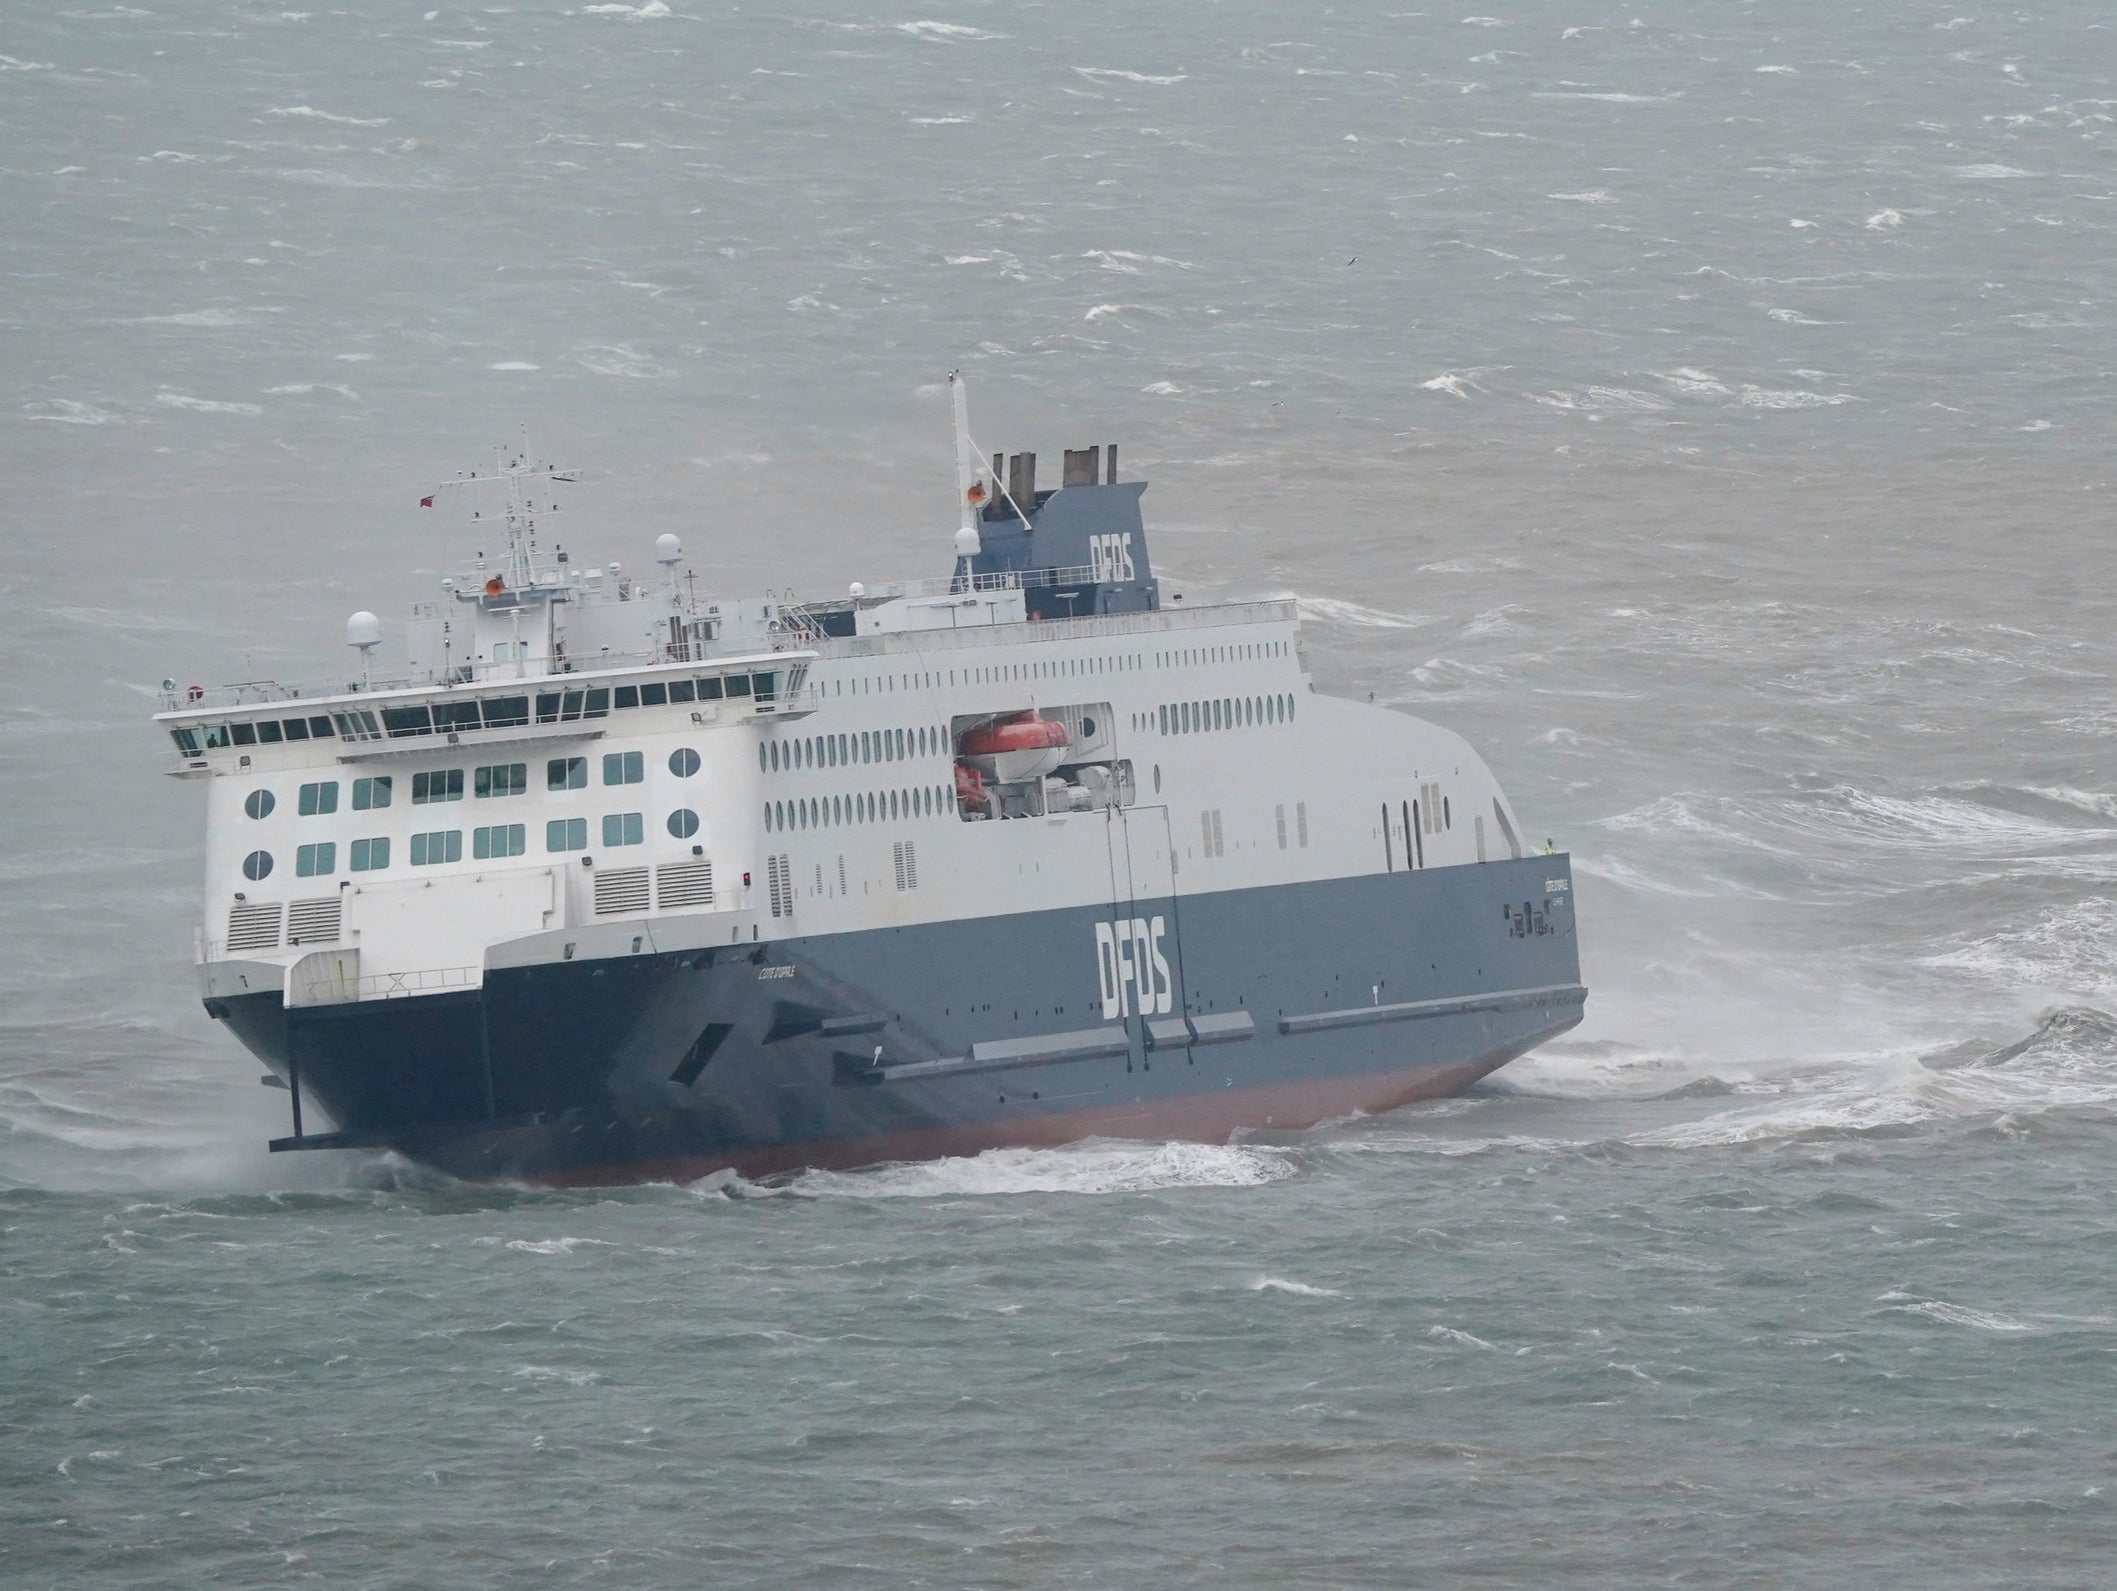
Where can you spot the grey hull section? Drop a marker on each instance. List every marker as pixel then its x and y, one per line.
pixel 1189 1016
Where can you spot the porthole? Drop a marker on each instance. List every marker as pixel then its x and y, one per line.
pixel 257 865
pixel 258 804
pixel 683 762
pixel 1087 729
pixel 683 823
pixel 1157 778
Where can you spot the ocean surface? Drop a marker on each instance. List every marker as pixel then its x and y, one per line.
pixel 1706 408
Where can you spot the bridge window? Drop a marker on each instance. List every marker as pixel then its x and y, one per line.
pixel 443 784
pixel 501 779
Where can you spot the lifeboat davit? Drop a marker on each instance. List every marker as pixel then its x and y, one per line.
pixel 1017 748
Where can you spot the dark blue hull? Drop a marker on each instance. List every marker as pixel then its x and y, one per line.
pixel 1271 1007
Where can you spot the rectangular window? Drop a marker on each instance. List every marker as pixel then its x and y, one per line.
pixel 598 702
pixel 566 834
pixel 1301 823
pixel 319 729
pixel 736 685
pixel 624 767
pixel 443 784
pixel 398 721
pixel 502 839
pixel 442 845
pixel 506 712
pixel 245 734
pixel 501 779
pixel 370 856
pixel 186 741
pixel 566 773
pixel 317 799
pixel 679 690
pixel 371 795
pixel 312 860
pixel 628 696
pixel 624 828
pixel 1280 814
pixel 709 690
pixel 656 695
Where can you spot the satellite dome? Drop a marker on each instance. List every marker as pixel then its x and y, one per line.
pixel 967 543
pixel 667 549
pixel 363 630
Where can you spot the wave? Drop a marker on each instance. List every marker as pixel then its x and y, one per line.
pixel 1336 610
pixel 1091 1167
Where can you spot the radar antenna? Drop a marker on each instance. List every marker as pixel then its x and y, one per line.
pixel 520 514
pixel 971 492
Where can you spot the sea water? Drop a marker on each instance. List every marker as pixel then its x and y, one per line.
pixel 1704 408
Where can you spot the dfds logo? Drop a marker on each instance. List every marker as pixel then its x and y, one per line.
pixel 1111 556
pixel 1135 974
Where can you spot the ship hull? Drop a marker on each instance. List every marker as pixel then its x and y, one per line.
pixel 1188 1017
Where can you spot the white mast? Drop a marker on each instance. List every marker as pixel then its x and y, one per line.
pixel 970 490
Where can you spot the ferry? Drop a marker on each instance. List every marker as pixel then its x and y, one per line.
pixel 624 880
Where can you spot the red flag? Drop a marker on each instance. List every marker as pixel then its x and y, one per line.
pixel 426 502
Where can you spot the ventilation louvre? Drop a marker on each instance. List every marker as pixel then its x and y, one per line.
pixel 779 880
pixel 254 925
pixel 621 890
pixel 906 854
pixel 313 922
pixel 683 884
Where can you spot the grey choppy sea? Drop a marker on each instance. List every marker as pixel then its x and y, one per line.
pixel 1704 407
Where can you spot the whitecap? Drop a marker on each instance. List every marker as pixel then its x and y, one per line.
pixel 70 411
pixel 1336 610
pixel 514 364
pixel 1092 1167
pixel 311 113
pixel 1884 220
pixel 945 32
pixel 179 400
pixel 618 360
pixel 1990 171
pixel 1452 382
pixel 1162 389
pixel 1776 71
pixel 1763 398
pixel 196 317
pixel 573 1378
pixel 1588 196
pixel 1461 1338
pixel 1279 1284
pixel 555 1245
pixel 1129 77
pixel 1962 1315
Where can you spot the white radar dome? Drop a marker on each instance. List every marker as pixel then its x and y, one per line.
pixel 967 543
pixel 667 549
pixel 856 591
pixel 363 630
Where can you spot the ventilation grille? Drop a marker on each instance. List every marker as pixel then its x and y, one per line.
pixel 313 922
pixel 907 858
pixel 621 890
pixel 254 925
pixel 683 884
pixel 779 881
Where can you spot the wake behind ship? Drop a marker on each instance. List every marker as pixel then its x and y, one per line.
pixel 623 882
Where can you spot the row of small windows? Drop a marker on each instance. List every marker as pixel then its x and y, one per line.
pixel 835 751
pixel 493 842
pixel 873 806
pixel 1223 712
pixel 488 783
pixel 496 712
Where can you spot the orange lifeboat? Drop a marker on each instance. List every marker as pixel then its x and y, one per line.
pixel 1023 732
pixel 1012 749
